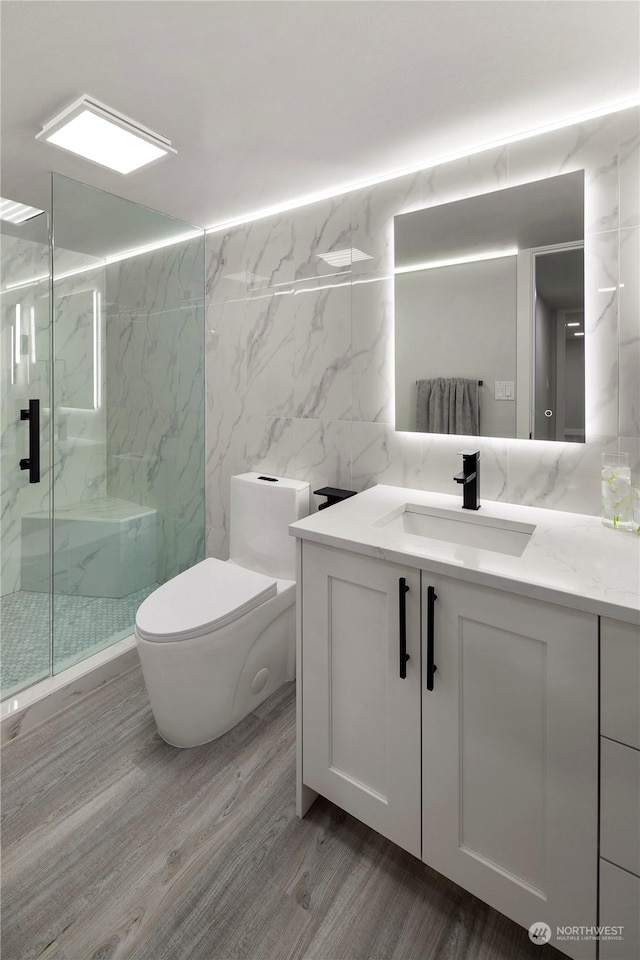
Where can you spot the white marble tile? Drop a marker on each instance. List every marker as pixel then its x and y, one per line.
pixel 226 275
pixel 226 386
pixel 318 229
pixel 467 177
pixel 631 445
pixel 79 376
pixel 372 331
pixel 318 451
pixel 79 471
pixel 225 407
pixel 217 542
pixel 74 324
pixel 322 359
pixel 222 464
pixel 228 286
pixel 590 146
pixel 103 547
pixel 24 259
pixel 372 213
pixel 268 253
pixel 629 321
pixel 268 334
pixel 601 334
pixel 559 476
pixel 441 460
pixel 629 127
pixel 190 367
pixel 155 358
pixel 380 455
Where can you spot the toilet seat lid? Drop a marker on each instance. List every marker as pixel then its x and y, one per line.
pixel 205 597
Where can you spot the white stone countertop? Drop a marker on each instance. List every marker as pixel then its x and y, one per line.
pixel 571 559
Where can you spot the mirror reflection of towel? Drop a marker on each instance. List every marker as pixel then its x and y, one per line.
pixel 448 405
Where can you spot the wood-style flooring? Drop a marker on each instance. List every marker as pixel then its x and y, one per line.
pixel 117 845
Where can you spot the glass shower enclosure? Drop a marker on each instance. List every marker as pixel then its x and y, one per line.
pixel 102 387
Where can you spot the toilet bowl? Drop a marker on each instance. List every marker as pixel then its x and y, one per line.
pixel 218 639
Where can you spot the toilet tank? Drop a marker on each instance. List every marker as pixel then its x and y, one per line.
pixel 262 507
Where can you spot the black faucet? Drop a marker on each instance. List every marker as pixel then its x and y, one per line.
pixel 470 479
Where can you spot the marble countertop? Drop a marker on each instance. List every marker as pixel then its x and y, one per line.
pixel 571 559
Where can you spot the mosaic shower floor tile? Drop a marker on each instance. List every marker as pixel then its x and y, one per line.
pixel 82 626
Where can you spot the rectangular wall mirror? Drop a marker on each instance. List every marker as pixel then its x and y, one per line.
pixel 489 314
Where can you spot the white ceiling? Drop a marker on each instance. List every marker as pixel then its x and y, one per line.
pixel 271 100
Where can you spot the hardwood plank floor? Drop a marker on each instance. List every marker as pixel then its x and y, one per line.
pixel 117 846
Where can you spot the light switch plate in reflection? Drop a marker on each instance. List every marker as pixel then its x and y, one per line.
pixel 505 390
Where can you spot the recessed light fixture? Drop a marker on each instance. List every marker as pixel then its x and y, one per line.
pixel 575 323
pixel 344 258
pixel 94 131
pixel 15 212
pixel 578 334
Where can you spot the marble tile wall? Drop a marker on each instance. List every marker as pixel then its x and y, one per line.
pixel 299 353
pixel 75 462
pixel 128 398
pixel 155 395
pixel 79 427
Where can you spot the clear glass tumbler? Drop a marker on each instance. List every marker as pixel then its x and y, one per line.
pixel 616 491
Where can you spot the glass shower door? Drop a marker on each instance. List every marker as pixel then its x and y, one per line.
pixel 102 327
pixel 128 420
pixel 25 494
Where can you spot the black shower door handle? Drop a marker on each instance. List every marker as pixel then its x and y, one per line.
pixel 402 608
pixel 431 667
pixel 32 462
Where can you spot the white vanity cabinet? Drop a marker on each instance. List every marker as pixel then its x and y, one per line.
pixel 491 777
pixel 487 768
pixel 360 718
pixel 510 765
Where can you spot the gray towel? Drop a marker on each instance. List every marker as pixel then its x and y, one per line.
pixel 448 405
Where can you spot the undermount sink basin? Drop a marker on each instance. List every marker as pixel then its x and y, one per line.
pixel 475 530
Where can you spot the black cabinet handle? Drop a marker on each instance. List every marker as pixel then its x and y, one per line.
pixel 431 667
pixel 32 462
pixel 404 656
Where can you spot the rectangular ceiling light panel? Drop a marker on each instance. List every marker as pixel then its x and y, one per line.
pixel 94 131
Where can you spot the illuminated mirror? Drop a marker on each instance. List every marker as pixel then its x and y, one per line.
pixel 489 314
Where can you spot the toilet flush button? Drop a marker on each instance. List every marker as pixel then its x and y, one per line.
pixel 259 681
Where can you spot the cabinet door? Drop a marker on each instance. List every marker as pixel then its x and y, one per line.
pixel 620 908
pixel 620 681
pixel 360 719
pixel 510 763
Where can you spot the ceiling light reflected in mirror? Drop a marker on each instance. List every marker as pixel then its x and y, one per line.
pixel 344 258
pixel 14 212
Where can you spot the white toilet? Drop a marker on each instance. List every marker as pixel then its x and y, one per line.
pixel 218 639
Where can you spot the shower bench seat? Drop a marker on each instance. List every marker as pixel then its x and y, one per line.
pixel 104 547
